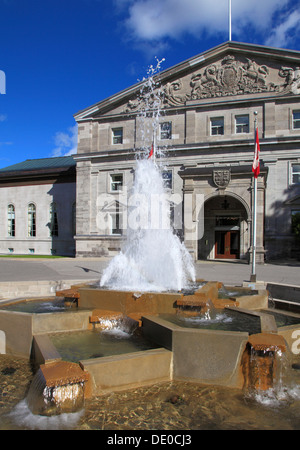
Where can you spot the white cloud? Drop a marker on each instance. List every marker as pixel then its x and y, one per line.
pixel 286 31
pixel 65 142
pixel 154 20
pixel 3 117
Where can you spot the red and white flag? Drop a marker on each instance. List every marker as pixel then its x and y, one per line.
pixel 255 165
pixel 151 152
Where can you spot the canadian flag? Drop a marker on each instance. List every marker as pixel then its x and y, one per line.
pixel 255 165
pixel 151 152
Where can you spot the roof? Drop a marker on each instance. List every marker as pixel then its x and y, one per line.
pixel 205 57
pixel 40 164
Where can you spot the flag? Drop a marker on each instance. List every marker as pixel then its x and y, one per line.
pixel 255 165
pixel 151 152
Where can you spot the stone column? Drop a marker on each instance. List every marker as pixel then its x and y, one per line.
pixel 260 214
pixel 190 218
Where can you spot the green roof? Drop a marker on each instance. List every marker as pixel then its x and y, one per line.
pixel 40 164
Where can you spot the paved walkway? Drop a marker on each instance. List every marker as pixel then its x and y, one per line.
pixel 91 268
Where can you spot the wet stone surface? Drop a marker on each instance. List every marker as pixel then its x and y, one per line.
pixel 166 406
pixel 15 378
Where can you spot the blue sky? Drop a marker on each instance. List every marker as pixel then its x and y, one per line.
pixel 61 56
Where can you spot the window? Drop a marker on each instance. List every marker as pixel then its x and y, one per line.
pixel 166 130
pixel 116 219
pixel 167 179
pixel 296 120
pixel 31 216
pixel 116 182
pixel 11 221
pixel 53 220
pixel 296 223
pixel 217 126
pixel 242 124
pixel 295 173
pixel 117 136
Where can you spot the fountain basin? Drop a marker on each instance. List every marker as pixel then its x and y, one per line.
pixel 115 372
pixel 206 356
pixel 200 355
pixel 20 327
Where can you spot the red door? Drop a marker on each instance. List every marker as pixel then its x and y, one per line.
pixel 227 244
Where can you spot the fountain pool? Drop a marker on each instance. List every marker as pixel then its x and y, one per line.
pixel 83 345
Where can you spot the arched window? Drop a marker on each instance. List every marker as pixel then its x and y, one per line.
pixel 53 220
pixel 31 216
pixel 11 225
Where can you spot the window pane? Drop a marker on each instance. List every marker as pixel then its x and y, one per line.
pixel 296 173
pixel 296 119
pixel 296 178
pixel 217 126
pixel 31 220
pixel 11 220
pixel 167 179
pixel 116 182
pixel 242 124
pixel 166 130
pixel 53 220
pixel 117 135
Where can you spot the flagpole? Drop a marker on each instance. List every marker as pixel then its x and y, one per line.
pixel 229 9
pixel 253 274
pixel 154 144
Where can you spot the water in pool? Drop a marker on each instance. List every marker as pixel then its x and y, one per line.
pixel 80 345
pixel 41 306
pixel 218 319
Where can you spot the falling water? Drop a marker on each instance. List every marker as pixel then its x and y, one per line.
pixel 153 257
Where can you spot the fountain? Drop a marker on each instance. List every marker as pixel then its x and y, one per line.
pixel 188 326
pixel 154 258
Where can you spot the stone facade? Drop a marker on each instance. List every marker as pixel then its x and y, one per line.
pixel 36 183
pixel 211 102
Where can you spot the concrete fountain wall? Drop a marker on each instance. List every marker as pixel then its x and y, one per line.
pixel 204 356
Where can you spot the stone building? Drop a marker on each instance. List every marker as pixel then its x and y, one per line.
pixel 206 128
pixel 204 137
pixel 37 199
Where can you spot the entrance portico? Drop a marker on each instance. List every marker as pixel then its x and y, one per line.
pixel 224 222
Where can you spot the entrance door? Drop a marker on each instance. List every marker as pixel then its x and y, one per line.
pixel 227 244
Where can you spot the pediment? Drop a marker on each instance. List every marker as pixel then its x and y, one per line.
pixel 232 70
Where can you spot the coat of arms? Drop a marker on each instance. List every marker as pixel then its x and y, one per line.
pixel 221 178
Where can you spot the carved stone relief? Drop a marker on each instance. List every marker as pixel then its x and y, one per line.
pixel 228 77
pixel 221 178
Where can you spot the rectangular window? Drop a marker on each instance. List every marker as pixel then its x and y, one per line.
pixel 295 173
pixel 242 124
pixel 116 182
pixel 217 126
pixel 166 130
pixel 117 136
pixel 296 120
pixel 296 223
pixel 167 179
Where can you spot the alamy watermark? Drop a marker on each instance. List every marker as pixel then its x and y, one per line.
pixel 296 343
pixel 2 82
pixel 139 211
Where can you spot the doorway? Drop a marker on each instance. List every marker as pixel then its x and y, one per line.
pixel 227 244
